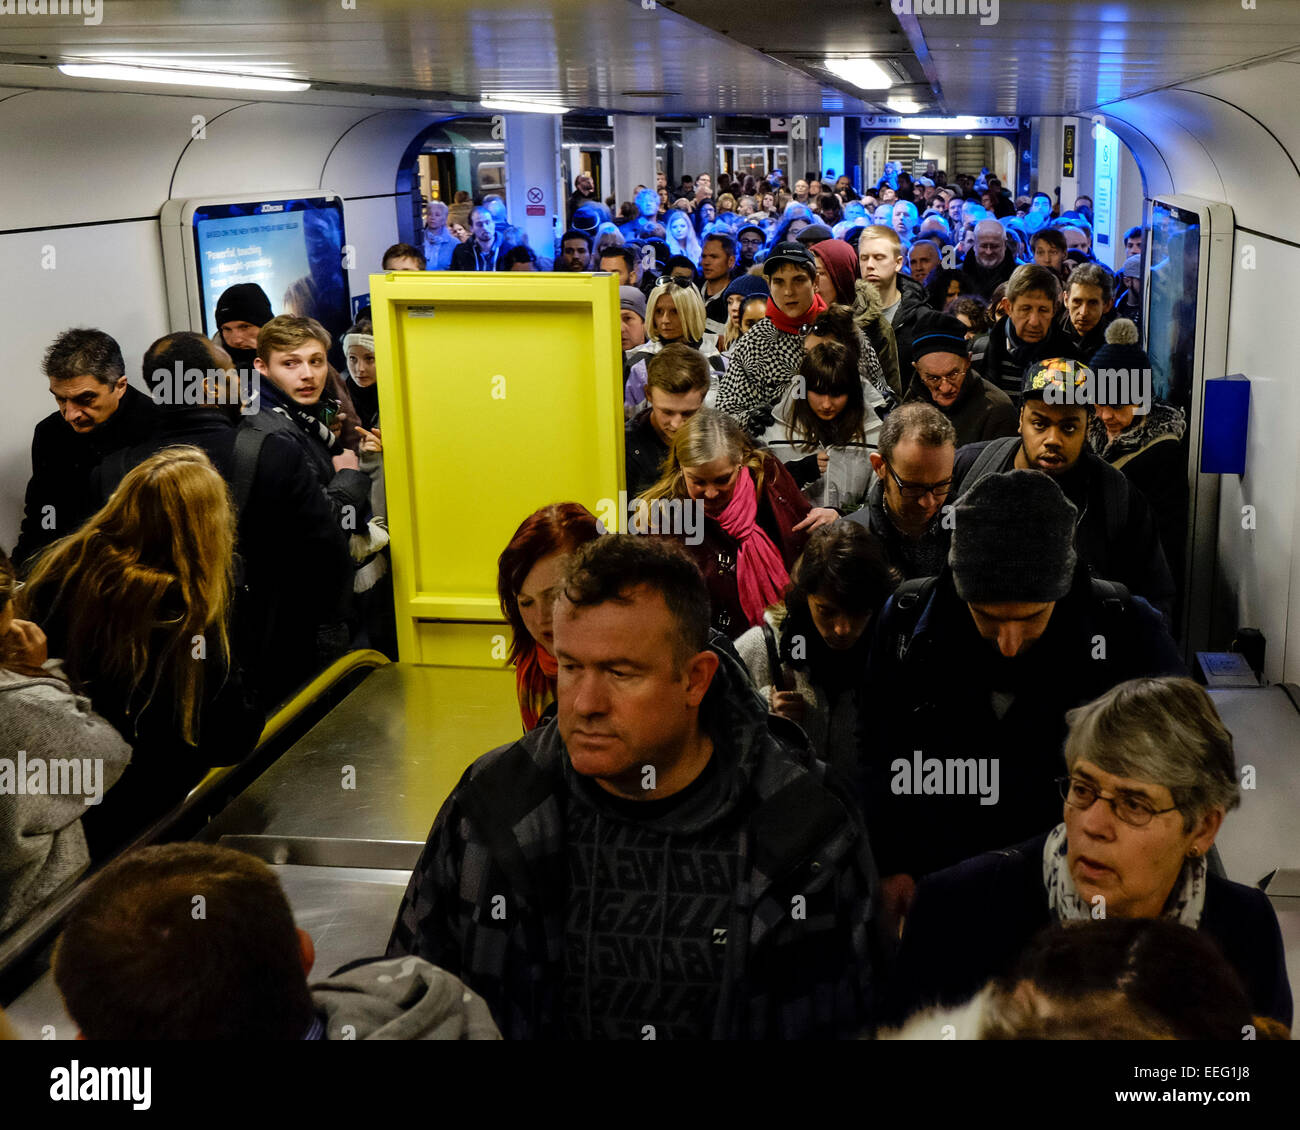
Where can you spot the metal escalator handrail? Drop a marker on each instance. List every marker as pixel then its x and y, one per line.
pixel 36 926
pixel 288 712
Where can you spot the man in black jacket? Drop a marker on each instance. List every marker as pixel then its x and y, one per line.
pixel 1117 538
pixel 971 675
pixel 98 413
pixel 486 247
pixel 989 263
pixel 677 379
pixel 1089 295
pixel 661 861
pixel 295 582
pixel 902 298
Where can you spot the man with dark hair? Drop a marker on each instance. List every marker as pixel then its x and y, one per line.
pixel 575 251
pixel 717 266
pixel 584 191
pixel 135 962
pixel 1117 537
pixel 973 672
pixel 749 240
pixel 1049 248
pixel 1089 296
pixel 486 247
pixel 296 569
pixel 619 261
pixel 403 257
pixel 665 860
pixel 98 412
pixel 913 479
pixel 677 380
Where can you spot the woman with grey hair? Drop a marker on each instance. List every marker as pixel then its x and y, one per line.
pixel 1151 776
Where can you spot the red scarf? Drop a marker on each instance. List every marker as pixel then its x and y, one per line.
pixel 806 319
pixel 535 683
pixel 761 577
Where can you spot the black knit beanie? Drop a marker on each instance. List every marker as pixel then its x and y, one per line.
pixel 244 302
pixel 1013 540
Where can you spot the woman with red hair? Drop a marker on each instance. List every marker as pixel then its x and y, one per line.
pixel 528 578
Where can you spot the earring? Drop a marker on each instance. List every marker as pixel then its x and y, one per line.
pixel 1194 853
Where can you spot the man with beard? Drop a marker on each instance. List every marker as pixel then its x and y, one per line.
pixel 990 262
pixel 241 312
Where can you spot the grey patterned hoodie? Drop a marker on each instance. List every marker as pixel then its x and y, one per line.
pixel 42 844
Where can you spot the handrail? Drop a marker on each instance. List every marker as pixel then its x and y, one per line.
pixel 32 930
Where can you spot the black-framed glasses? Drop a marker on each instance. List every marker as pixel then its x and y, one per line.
pixel 919 490
pixel 1132 808
pixel 666 280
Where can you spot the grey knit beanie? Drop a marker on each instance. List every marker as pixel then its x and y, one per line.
pixel 1013 540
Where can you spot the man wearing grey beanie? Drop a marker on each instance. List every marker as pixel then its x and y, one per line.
pixel 971 675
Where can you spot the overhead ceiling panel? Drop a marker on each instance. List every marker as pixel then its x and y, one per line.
pixel 584 54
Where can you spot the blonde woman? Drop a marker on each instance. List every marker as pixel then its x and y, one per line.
pixel 137 603
pixel 674 314
pixel 755 521
pixel 679 234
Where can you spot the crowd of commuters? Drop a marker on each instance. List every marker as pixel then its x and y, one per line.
pixel 826 762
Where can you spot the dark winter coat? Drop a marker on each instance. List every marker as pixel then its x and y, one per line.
pixel 971 922
pixel 1002 358
pixel 501 839
pixel 62 464
pixel 643 451
pixel 1116 534
pixel 912 557
pixel 875 327
pixel 1086 345
pixel 981 280
pixel 935 685
pixel 981 410
pixel 1152 457
pixel 296 579
pixel 913 301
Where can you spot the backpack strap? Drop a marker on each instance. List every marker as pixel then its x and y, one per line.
pixel 910 599
pixel 987 460
pixel 1115 490
pixel 248 449
pixel 1112 597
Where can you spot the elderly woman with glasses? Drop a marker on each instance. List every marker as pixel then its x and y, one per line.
pixel 1151 775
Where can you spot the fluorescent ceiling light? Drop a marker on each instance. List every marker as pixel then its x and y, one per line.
pixel 903 105
pixel 865 74
pixel 172 76
pixel 514 107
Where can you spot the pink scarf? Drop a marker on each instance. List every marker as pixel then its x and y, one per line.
pixel 761 578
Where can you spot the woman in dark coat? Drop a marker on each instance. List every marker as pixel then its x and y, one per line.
pixel 1151 776
pixel 738 513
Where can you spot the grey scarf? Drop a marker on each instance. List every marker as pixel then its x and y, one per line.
pixel 1184 905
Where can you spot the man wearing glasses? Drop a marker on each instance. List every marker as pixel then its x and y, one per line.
pixel 750 239
pixel 975 671
pixel 904 509
pixel 942 377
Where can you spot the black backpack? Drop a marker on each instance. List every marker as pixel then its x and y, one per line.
pixel 113 468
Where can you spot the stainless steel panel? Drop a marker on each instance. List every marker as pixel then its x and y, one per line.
pixel 379 765
pixel 1263 835
pixel 400 855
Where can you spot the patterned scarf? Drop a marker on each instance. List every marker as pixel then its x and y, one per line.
pixel 1184 905
pixel 306 418
pixel 761 577
pixel 535 683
